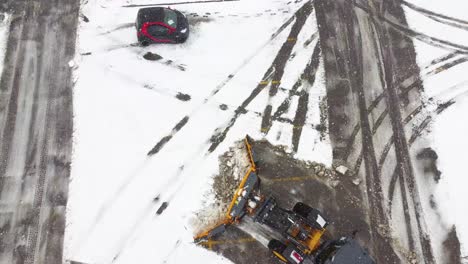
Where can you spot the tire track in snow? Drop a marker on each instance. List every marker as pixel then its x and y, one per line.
pixel 281 59
pixel 437 42
pixel 221 132
pixel 402 154
pixel 226 81
pixel 300 117
pixel 404 90
pixel 451 21
pixel 384 114
pixel 417 132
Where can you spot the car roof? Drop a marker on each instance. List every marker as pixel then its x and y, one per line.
pixel 151 14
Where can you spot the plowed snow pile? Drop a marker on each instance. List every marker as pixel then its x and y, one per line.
pixel 233 166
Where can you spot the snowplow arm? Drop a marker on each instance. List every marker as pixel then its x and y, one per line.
pixel 236 208
pixel 208 234
pixel 251 154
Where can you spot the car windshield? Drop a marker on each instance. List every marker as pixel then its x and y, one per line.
pixel 170 17
pixel 157 31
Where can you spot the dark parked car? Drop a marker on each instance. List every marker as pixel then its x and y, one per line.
pixel 161 25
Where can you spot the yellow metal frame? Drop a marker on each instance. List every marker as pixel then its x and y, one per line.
pixel 312 243
pixel 229 219
pixel 314 240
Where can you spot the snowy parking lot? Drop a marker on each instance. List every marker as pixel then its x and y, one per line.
pixel 150 122
pixel 376 88
pixel 125 106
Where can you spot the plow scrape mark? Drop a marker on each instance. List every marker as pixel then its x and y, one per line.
pixel 281 59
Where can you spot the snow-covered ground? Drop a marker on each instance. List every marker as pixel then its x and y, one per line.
pixel 449 130
pixel 4 23
pixel 124 105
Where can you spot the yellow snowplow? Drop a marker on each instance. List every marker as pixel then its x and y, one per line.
pixel 236 208
pixel 301 228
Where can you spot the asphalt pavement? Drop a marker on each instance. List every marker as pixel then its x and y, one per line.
pixel 36 130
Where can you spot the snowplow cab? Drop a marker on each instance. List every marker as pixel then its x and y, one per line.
pixel 302 229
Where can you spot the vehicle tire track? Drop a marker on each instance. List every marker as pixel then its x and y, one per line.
pixel 383 115
pixel 308 75
pixel 309 70
pixel 374 185
pixel 437 42
pixel 281 59
pixel 39 111
pixel 417 132
pixel 224 82
pixel 341 41
pixel 404 90
pixel 400 142
pixel 8 236
pixel 451 21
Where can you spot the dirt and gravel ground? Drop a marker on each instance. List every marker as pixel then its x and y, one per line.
pixel 36 129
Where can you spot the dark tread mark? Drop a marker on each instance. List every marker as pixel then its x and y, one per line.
pixel 308 74
pixel 183 97
pixel 418 35
pixel 302 108
pixel 158 58
pixel 223 107
pixel 299 120
pixel 282 58
pixel 403 93
pixel 152 56
pixel 238 111
pixel 438 17
pixel 442 59
pixel 163 207
pixel 220 133
pixel 166 139
pixel 85 18
pixel 403 158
